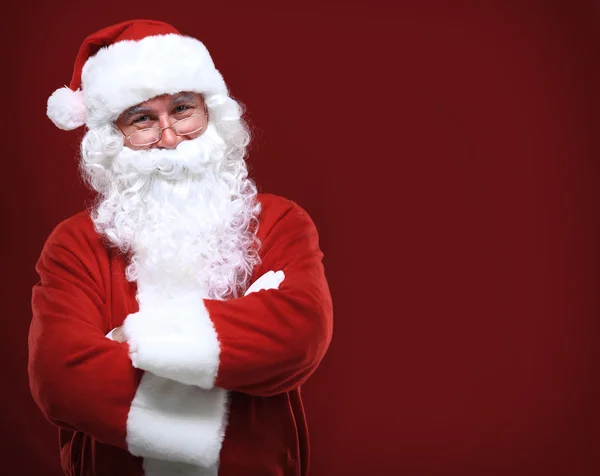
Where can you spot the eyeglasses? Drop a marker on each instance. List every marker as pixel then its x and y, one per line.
pixel 182 127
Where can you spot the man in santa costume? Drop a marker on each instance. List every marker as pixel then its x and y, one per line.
pixel 175 322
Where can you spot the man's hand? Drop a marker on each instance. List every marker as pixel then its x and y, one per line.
pixel 118 335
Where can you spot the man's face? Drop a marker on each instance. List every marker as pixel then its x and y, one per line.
pixel 164 121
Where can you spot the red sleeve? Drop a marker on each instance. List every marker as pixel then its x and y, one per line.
pixel 79 379
pixel 271 341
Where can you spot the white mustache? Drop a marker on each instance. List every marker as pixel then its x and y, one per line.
pixel 192 156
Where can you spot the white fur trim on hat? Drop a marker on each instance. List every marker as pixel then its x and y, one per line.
pixel 128 72
pixel 66 109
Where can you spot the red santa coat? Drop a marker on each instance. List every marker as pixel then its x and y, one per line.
pixel 268 344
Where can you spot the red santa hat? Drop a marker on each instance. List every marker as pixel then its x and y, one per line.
pixel 126 64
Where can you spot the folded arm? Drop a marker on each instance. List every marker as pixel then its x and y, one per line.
pixel 265 343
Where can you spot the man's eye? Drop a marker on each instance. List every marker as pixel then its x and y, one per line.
pixel 183 108
pixel 140 119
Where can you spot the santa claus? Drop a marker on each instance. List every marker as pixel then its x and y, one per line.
pixel 175 321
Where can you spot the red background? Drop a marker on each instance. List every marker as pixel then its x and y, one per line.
pixel 448 153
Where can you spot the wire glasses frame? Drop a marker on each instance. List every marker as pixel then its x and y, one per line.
pixel 176 127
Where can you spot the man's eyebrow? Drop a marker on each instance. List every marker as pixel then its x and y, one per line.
pixel 181 98
pixel 132 111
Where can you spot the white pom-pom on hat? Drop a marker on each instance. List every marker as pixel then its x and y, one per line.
pixel 66 108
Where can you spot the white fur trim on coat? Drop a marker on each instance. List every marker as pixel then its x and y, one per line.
pixel 176 423
pixel 174 338
pixel 127 73
pixel 157 467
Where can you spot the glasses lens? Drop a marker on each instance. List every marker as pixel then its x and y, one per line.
pixel 144 136
pixel 189 125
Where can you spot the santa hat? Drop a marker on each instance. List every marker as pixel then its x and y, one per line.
pixel 126 64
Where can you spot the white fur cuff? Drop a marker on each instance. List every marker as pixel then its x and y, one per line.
pixel 177 423
pixel 174 339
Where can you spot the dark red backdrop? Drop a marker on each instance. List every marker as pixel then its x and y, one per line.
pixel 448 152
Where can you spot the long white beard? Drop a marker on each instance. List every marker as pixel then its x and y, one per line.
pixel 187 217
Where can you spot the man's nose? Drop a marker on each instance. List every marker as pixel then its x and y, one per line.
pixel 168 139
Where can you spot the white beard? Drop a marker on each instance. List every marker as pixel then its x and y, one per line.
pixel 187 216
